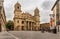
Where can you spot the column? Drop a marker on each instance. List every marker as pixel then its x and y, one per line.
pixel 31 26
pixel 25 23
pixel 28 25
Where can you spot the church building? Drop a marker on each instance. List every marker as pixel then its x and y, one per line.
pixel 25 21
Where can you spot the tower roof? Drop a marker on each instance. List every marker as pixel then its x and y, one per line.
pixel 36 9
pixel 18 4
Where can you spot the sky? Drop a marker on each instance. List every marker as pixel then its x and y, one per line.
pixel 44 7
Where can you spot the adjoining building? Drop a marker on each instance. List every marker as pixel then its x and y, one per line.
pixel 56 14
pixel 25 21
pixel 45 26
pixel 2 16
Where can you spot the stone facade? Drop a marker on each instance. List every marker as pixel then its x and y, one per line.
pixel 2 17
pixel 25 21
pixel 56 14
pixel 46 26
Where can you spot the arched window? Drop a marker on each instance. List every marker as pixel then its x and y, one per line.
pixel 22 22
pixel 18 21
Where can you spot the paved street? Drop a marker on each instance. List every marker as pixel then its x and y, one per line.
pixel 28 35
pixel 6 35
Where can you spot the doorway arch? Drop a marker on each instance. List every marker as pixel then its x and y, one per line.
pixel 18 28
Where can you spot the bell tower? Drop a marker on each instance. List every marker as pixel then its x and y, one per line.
pixel 17 7
pixel 37 18
pixel 17 10
pixel 36 14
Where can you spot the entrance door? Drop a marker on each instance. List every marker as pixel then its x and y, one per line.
pixel 18 28
pixel 22 27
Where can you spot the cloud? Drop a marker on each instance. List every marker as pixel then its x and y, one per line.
pixel 9 6
pixel 47 4
pixel 44 16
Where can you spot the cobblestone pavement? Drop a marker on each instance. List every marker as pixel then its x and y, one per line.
pixel 28 35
